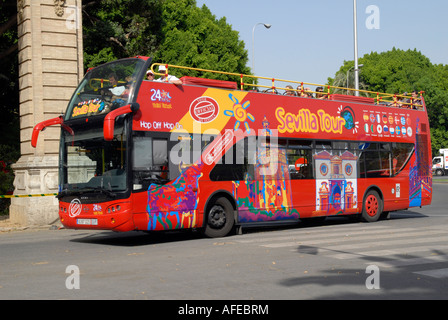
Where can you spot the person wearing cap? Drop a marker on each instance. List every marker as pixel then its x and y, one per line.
pixel 149 75
pixel 166 77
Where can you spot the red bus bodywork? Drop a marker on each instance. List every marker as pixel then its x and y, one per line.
pixel 199 107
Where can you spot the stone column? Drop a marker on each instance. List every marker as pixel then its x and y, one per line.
pixel 50 68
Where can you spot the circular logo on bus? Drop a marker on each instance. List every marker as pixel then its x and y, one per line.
pixel 75 208
pixel 204 109
pixel 349 117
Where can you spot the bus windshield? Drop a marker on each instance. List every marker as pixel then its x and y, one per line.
pixel 104 89
pixel 90 163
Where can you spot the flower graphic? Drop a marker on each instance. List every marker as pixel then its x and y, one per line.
pixel 165 96
pixel 239 113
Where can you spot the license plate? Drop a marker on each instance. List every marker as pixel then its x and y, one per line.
pixel 88 222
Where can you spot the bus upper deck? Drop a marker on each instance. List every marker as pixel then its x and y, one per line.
pixel 303 89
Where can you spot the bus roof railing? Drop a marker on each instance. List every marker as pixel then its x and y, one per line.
pixel 389 99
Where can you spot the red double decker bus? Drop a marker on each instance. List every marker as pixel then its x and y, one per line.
pixel 148 155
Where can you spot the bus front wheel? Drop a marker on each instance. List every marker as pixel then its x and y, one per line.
pixel 372 207
pixel 220 218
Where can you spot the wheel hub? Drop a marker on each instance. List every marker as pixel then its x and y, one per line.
pixel 372 205
pixel 217 217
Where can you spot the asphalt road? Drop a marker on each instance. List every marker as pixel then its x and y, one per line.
pixel 405 257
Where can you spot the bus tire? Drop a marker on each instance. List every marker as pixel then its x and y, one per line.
pixel 220 218
pixel 372 206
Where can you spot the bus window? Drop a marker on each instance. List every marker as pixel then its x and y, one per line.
pixel 88 161
pixel 341 145
pixel 104 89
pixel 150 161
pixel 401 153
pixel 385 159
pixel 372 164
pixel 375 160
pixel 326 145
pixel 300 159
pixel 237 164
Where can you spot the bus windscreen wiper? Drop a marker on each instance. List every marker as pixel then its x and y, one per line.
pixel 67 192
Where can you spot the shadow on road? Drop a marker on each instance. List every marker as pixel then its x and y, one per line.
pixel 137 238
pixel 353 281
pixel 402 282
pixel 140 238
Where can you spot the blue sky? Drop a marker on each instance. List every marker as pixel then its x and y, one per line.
pixel 309 40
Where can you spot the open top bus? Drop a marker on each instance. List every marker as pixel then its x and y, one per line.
pixel 215 155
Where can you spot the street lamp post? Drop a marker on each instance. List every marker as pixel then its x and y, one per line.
pixel 267 26
pixel 348 72
pixel 355 35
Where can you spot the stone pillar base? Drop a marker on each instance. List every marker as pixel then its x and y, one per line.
pixel 35 175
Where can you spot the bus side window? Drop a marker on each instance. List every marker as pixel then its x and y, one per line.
pixel 300 160
pixel 150 161
pixel 401 153
pixel 235 165
pixel 377 160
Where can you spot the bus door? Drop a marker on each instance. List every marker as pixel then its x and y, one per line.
pixel 301 172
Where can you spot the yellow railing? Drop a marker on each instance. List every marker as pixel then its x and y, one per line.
pixel 302 89
pixel 98 83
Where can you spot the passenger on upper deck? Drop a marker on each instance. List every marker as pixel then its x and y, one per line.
pixel 402 102
pixel 149 75
pixel 289 91
pixel 416 101
pixel 308 93
pixel 300 91
pixel 115 89
pixel 166 77
pixel 115 94
pixel 320 94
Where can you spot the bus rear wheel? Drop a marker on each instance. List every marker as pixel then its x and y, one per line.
pixel 220 219
pixel 372 207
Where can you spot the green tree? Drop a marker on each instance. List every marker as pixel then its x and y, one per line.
pixel 399 71
pixel 193 37
pixel 9 83
pixel 115 29
pixel 171 31
pixel 9 99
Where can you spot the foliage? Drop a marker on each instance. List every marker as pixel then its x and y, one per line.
pixel 115 29
pixel 8 156
pixel 9 98
pixel 171 31
pixel 194 37
pixel 399 71
pixel 9 85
